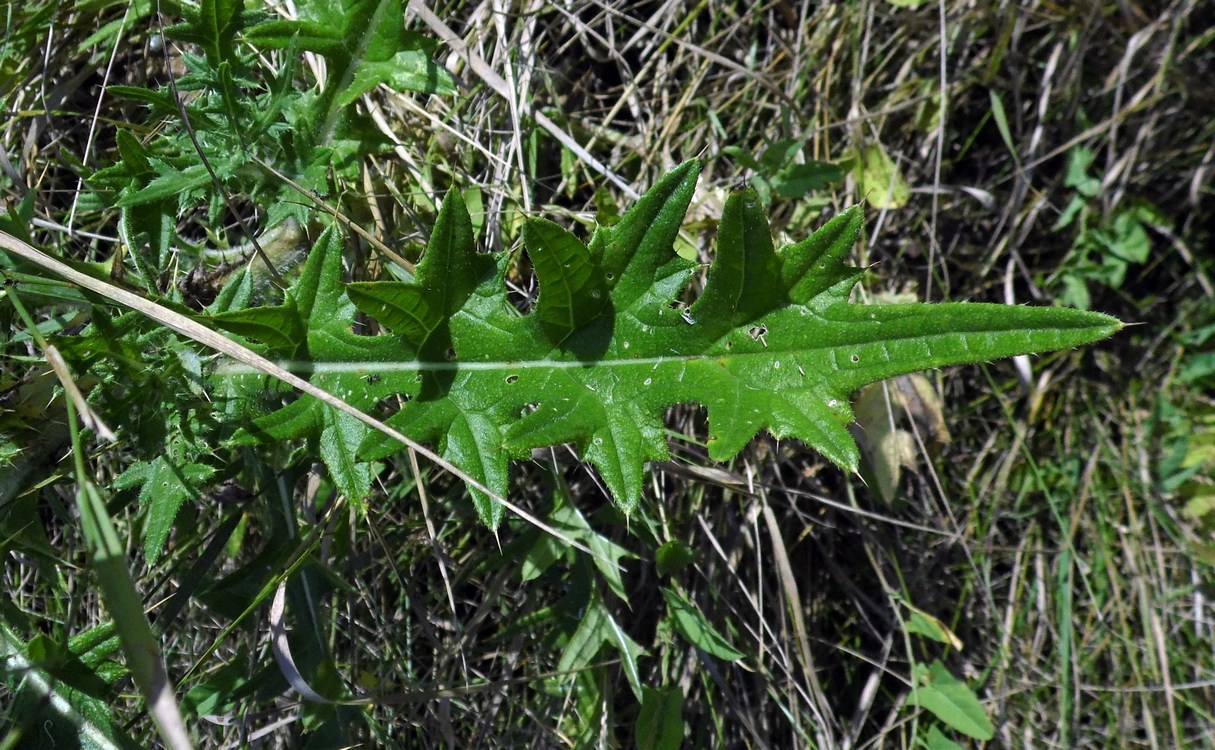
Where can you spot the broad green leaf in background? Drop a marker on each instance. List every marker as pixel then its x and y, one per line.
pixel 937 740
pixel 922 623
pixel 660 724
pixel 607 554
pixel 951 701
pixel 798 180
pixel 777 171
pixel 673 557
pixel 569 521
pixel 597 628
pixel 694 626
pixel 772 343
pixel 880 180
pixel 887 444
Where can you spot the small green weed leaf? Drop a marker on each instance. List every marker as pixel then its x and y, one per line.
pixel 407 70
pixel 1197 368
pixel 1105 245
pixel 799 180
pixel 134 155
pixel 937 740
pixel 163 104
pixel 951 701
pixel 584 643
pixel 213 27
pixel 567 519
pixel 1200 500
pixel 629 651
pixel 772 343
pixel 310 36
pixel 1126 237
pixel 165 485
pixel 134 13
pixel 607 554
pixel 880 180
pixel 281 327
pixel 780 153
pixel 778 173
pixel 170 183
pixel 673 557
pixel 1077 177
pixel 1204 553
pixel 545 551
pixel 596 628
pixel 1001 119
pixel 365 43
pixel 922 623
pixel 340 440
pixel 743 157
pixel 660 724
pixel 691 623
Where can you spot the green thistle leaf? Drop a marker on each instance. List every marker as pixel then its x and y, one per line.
pixel 771 344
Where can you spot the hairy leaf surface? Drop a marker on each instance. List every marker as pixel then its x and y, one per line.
pixel 772 343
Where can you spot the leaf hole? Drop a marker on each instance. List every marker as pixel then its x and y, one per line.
pixel 855 358
pixel 392 403
pixel 609 276
pixel 512 379
pixel 449 354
